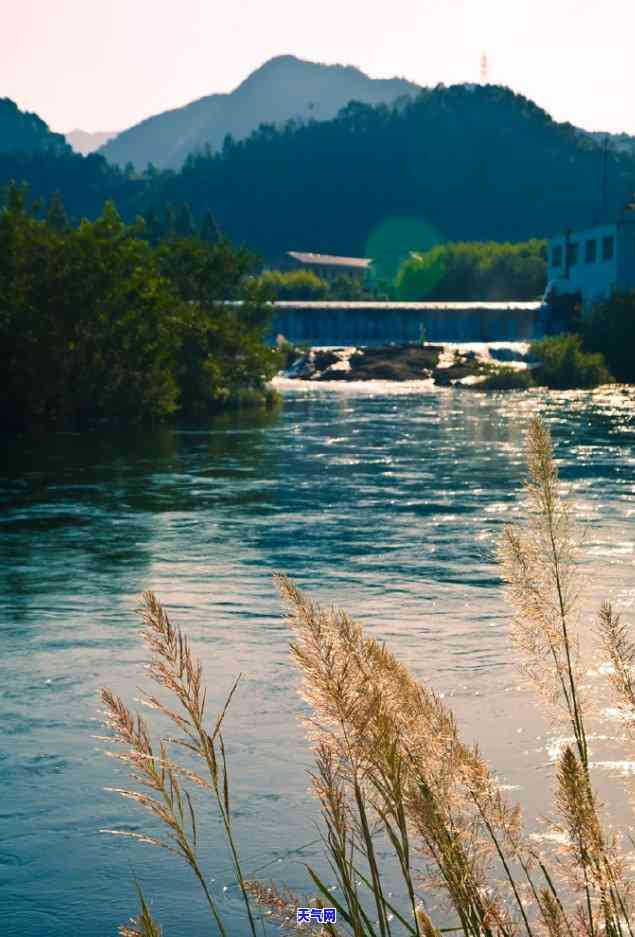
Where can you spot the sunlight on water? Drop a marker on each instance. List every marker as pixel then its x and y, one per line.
pixel 387 499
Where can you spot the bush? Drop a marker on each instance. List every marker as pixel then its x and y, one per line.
pixel 297 284
pixel 611 331
pixel 507 379
pixel 564 365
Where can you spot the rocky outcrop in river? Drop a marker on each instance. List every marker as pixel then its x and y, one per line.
pixel 446 365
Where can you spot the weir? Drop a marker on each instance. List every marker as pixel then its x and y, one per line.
pixel 376 323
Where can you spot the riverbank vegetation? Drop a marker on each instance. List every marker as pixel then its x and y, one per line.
pixel 610 330
pixel 393 774
pixel 97 324
pixel 565 365
pixel 475 271
pixel 307 285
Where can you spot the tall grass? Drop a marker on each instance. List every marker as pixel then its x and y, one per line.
pixel 393 771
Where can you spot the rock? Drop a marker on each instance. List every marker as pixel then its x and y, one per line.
pixel 302 368
pixel 507 354
pixel 447 365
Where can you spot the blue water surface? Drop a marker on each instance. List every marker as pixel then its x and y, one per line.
pixel 386 503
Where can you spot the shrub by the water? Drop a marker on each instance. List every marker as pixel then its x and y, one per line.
pixel 307 285
pixel 296 284
pixel 390 759
pixel 564 365
pixel 611 331
pixel 508 379
pixel 97 324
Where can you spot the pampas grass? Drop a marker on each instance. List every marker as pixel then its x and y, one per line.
pixel 392 771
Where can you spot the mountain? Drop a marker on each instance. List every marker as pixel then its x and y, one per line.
pixel 283 88
pixel 23 132
pixel 472 163
pixel 30 153
pixel 84 142
pixel 618 142
pixel 458 163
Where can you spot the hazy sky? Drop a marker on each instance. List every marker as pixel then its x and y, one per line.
pixel 105 64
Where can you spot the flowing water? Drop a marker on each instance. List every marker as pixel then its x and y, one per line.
pixel 387 501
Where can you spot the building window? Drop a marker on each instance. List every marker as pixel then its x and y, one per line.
pixel 556 256
pixel 572 254
pixel 607 248
pixel 591 250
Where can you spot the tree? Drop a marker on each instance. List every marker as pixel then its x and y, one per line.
pixel 296 284
pixel 56 217
pixel 96 324
pixel 475 271
pixel 611 330
pixel 209 230
pixel 184 223
pixel 154 228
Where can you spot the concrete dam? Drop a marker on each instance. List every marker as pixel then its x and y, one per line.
pixel 377 323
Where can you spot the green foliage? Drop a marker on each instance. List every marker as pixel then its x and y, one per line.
pixel 476 270
pixel 564 365
pixel 508 379
pixel 476 165
pixel 347 288
pixel 463 164
pixel 209 230
pixel 611 331
pixel 56 214
pixel 297 284
pixel 307 285
pixel 96 324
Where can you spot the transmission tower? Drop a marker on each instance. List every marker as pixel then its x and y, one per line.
pixel 484 69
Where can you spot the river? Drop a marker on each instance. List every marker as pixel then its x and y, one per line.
pixel 386 501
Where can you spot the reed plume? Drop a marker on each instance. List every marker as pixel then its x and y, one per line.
pixel 144 924
pixel 174 667
pixel 540 564
pixel 391 766
pixel 388 749
pixel 620 652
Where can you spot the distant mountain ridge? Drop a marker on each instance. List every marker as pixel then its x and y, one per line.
pixel 618 142
pixel 24 132
pixel 458 163
pixel 465 162
pixel 283 88
pixel 86 142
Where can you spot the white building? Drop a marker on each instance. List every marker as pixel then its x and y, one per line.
pixel 595 262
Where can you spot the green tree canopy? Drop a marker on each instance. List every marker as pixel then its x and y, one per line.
pixel 475 271
pixel 97 324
